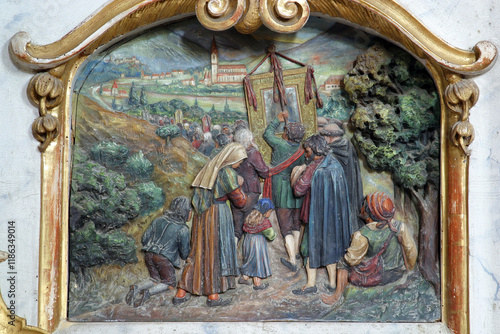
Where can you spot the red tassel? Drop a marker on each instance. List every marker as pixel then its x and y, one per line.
pixel 308 88
pixel 279 82
pixel 252 99
pixel 308 92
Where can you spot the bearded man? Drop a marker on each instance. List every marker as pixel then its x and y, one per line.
pixel 325 211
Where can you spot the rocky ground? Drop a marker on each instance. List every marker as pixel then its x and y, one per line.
pixel 409 300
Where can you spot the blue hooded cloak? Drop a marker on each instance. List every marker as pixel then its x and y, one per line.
pixel 330 220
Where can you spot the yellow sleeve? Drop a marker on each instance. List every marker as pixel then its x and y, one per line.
pixel 357 250
pixel 409 246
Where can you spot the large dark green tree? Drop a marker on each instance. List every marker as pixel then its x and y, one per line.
pixel 396 129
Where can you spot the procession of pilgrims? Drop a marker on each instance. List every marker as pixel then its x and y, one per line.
pixel 313 187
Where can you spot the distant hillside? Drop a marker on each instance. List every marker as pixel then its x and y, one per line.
pixel 187 45
pixel 176 165
pixel 98 71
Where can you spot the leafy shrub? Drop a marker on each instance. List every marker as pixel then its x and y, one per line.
pixel 109 154
pixel 152 197
pixel 101 196
pixel 89 247
pixel 139 166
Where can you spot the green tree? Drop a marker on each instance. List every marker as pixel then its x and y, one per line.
pixel 90 247
pixel 143 101
pixel 168 132
pixel 101 203
pixel 101 195
pixel 178 104
pixel 196 112
pixel 396 129
pixel 133 99
pixel 139 166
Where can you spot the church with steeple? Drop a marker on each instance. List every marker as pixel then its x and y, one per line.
pixel 225 74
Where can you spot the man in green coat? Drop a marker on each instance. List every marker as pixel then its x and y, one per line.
pixel 286 154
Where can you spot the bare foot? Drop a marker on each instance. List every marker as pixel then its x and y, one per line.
pixel 330 300
pixel 181 293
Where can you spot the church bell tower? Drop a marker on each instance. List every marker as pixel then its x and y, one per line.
pixel 214 61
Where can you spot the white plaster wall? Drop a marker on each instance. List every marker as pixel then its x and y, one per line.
pixel 462 23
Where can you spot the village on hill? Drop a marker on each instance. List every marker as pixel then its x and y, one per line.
pixel 218 85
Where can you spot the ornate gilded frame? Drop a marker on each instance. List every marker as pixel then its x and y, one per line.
pixel 58 64
pixel 257 119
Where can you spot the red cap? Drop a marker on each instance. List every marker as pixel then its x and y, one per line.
pixel 381 206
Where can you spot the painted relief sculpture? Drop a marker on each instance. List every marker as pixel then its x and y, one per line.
pixel 252 170
pixel 396 128
pixel 165 242
pixel 258 228
pixel 183 118
pixel 343 150
pixel 286 154
pixel 229 126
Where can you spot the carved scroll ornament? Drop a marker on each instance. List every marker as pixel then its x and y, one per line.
pixel 460 96
pixel 285 16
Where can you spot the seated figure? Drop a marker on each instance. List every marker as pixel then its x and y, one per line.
pixel 380 252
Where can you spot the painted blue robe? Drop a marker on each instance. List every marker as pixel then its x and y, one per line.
pixel 330 220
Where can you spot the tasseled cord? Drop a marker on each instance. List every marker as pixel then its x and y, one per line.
pixel 279 84
pixel 308 90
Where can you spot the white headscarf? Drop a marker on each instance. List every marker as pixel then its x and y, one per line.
pixel 230 154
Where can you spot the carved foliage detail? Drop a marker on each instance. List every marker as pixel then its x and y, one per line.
pixel 45 91
pixel 460 96
pixel 285 16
